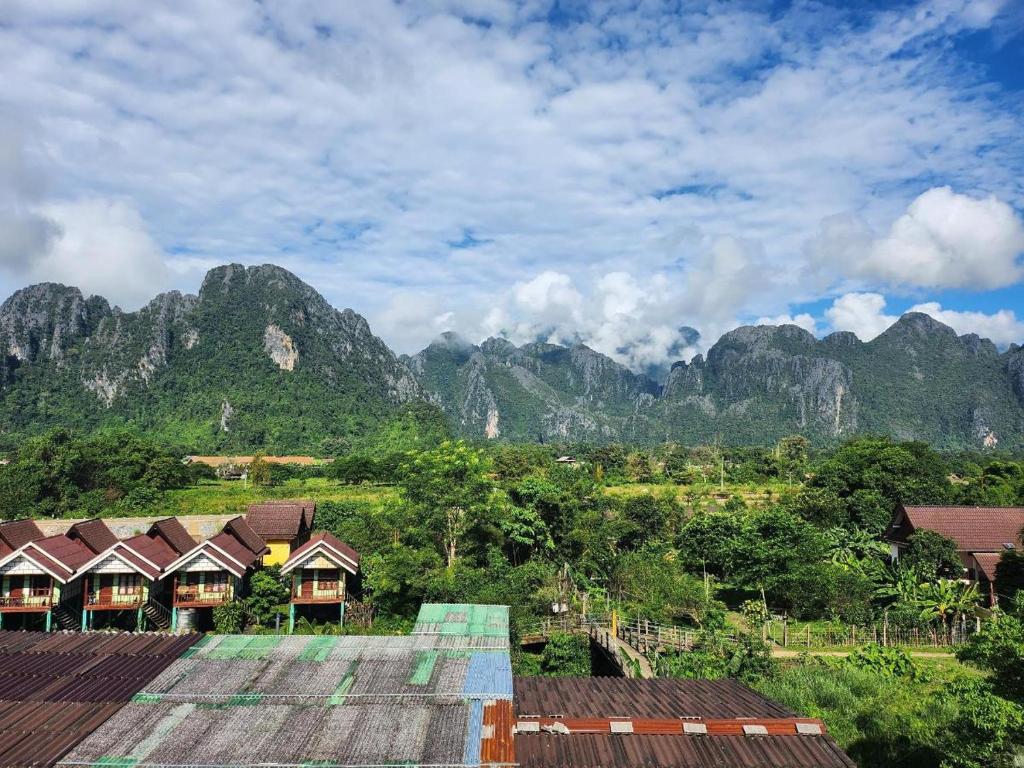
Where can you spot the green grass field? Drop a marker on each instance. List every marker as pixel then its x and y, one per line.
pixel 230 496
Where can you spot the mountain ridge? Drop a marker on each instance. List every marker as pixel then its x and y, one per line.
pixel 259 359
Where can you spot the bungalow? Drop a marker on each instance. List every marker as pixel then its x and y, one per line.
pixel 212 573
pixel 126 575
pixel 283 525
pixel 318 569
pixel 981 534
pixel 38 573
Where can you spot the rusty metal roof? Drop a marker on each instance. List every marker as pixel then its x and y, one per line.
pixel 621 723
pixel 58 688
pixel 546 750
pixel 621 697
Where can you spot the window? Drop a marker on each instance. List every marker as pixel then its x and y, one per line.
pixel 128 584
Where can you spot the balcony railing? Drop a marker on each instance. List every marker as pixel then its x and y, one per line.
pixel 326 591
pixel 204 596
pixel 131 599
pixel 36 598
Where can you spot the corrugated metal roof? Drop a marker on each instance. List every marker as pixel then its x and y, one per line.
pixel 239 700
pixel 462 619
pixel 662 723
pixel 621 697
pixel 544 750
pixel 56 689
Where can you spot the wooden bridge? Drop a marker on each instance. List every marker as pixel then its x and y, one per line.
pixel 626 644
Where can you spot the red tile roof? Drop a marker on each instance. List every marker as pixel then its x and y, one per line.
pixel 244 532
pixel 331 547
pixel 280 519
pixel 174 533
pixel 94 534
pixel 17 533
pixel 987 562
pixel 974 529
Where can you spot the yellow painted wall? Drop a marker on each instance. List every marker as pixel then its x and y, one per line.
pixel 279 551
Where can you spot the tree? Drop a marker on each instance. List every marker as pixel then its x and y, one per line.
pixel 639 467
pixel 450 485
pixel 1010 576
pixel 987 731
pixel 258 471
pixel 267 594
pixel 566 655
pixel 932 555
pixel 945 600
pixel 999 647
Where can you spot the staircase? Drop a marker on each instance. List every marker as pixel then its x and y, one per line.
pixel 158 615
pixel 65 618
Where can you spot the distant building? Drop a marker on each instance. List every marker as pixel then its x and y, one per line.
pixel 283 525
pixel 981 534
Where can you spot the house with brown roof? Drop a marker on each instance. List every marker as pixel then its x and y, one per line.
pixel 319 572
pixel 126 575
pixel 981 534
pixel 282 525
pixel 37 573
pixel 212 573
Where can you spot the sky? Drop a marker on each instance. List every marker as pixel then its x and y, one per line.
pixel 611 173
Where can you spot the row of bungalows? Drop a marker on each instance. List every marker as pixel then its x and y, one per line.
pixel 163 578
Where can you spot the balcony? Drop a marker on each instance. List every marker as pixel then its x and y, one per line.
pixel 194 597
pixel 321 592
pixel 37 599
pixel 117 601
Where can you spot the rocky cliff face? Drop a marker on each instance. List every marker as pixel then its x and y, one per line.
pixel 260 359
pixel 257 350
pixel 534 392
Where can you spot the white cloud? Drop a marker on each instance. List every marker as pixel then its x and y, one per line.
pixel 864 314
pixel 861 313
pixel 610 180
pixel 944 240
pixel 103 248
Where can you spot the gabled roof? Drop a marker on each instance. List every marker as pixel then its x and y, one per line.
pixel 94 534
pixel 57 556
pixel 280 519
pixel 245 533
pixel 16 533
pixel 328 546
pixel 226 549
pixel 132 559
pixel 174 533
pixel 974 529
pixel 154 549
pixel 987 562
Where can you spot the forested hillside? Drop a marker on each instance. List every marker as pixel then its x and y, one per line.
pixel 259 360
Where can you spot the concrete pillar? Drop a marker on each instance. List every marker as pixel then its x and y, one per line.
pixel 174 619
pixel 140 620
pixel 49 619
pixel 1 620
pixel 291 618
pixel 85 619
pixel 341 618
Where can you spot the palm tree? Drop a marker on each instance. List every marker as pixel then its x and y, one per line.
pixel 945 598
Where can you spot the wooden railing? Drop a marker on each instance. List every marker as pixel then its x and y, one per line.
pixel 130 600
pixel 39 597
pixel 183 595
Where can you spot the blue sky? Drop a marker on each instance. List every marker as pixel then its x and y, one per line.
pixel 601 172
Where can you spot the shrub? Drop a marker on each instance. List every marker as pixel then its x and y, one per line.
pixel 228 618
